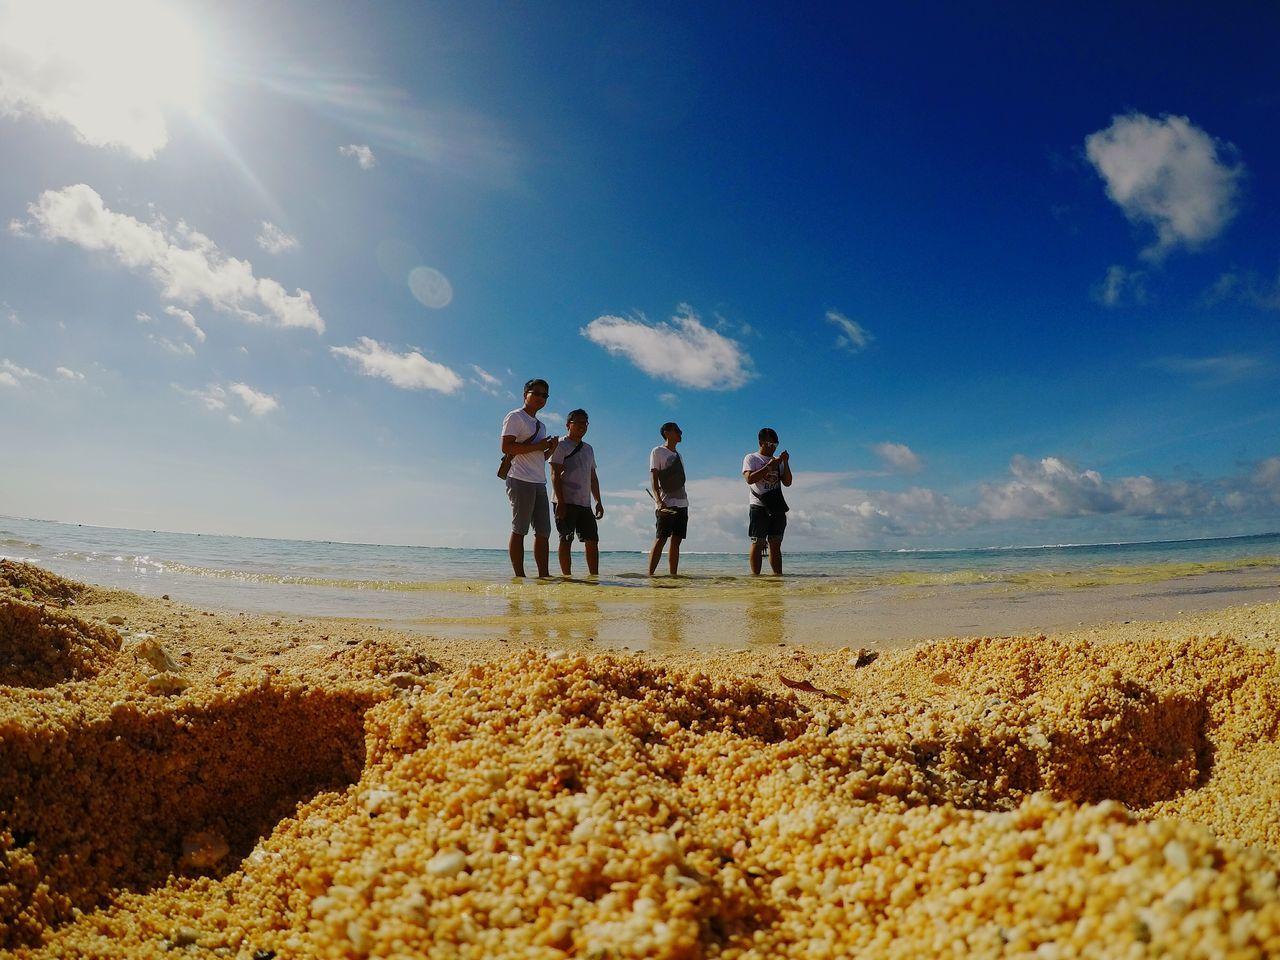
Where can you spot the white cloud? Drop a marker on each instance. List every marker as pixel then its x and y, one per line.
pixel 1247 287
pixel 187 320
pixel 258 404
pixel 274 240
pixel 487 381
pixel 11 374
pixel 66 373
pixel 1041 499
pixel 668 399
pixel 1265 481
pixel 179 347
pixel 853 336
pixel 186 265
pixel 1169 174
pixel 488 378
pixel 1051 487
pixel 364 156
pixel 683 351
pixel 108 70
pixel 899 457
pixel 409 371
pixel 215 397
pixel 1119 282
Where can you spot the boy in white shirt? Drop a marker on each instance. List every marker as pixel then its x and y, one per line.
pixel 573 484
pixel 666 473
pixel 525 441
pixel 767 475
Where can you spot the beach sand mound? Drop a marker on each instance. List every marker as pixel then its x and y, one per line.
pixel 99 795
pixel 973 798
pixel 35 583
pixel 41 645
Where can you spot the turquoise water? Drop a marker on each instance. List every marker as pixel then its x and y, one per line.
pixel 397 582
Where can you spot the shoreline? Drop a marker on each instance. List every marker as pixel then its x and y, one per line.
pixel 716 612
pixel 251 784
pixel 887 617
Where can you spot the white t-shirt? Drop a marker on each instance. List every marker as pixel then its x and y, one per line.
pixel 660 459
pixel 575 481
pixel 771 480
pixel 531 467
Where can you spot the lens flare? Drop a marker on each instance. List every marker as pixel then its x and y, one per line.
pixel 431 287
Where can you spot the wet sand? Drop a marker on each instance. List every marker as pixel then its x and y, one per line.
pixel 209 784
pixel 765 612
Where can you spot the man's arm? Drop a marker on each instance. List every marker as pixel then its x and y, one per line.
pixel 755 476
pixel 657 489
pixel 512 447
pixel 557 491
pixel 595 492
pixel 785 459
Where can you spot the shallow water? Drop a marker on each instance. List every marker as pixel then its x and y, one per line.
pixel 825 599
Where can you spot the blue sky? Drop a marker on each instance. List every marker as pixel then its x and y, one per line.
pixel 997 273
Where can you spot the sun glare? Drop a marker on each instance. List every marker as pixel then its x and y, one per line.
pixel 139 50
pixel 111 68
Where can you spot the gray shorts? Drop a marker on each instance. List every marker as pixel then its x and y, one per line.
pixel 529 503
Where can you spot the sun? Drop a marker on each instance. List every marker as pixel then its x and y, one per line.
pixel 140 50
pixel 112 68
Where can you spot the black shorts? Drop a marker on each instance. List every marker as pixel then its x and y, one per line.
pixel 764 525
pixel 673 524
pixel 580 520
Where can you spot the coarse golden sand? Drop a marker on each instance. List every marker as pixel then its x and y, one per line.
pixel 176 782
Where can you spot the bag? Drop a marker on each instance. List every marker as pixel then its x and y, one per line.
pixel 774 501
pixel 504 465
pixel 671 477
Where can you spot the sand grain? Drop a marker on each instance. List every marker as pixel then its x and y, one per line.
pixel 331 789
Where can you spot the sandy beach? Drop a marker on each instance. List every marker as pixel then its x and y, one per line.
pixel 175 781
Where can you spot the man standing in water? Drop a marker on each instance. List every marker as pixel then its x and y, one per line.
pixel 767 475
pixel 666 472
pixel 525 441
pixel 574 483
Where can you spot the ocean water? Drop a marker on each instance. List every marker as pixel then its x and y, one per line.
pixel 454 585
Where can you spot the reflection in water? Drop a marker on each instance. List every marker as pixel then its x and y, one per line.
pixel 537 620
pixel 527 619
pixel 579 621
pixel 764 614
pixel 667 620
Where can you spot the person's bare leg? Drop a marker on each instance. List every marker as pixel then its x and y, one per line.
pixel 775 557
pixel 673 558
pixel 757 551
pixel 566 557
pixel 655 554
pixel 541 554
pixel 515 547
pixel 592 550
